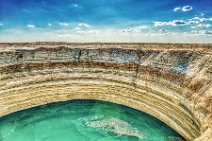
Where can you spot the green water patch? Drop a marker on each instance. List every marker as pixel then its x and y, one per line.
pixel 84 120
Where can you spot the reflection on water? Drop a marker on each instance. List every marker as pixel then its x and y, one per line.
pixel 84 120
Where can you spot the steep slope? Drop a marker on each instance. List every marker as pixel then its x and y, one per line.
pixel 169 81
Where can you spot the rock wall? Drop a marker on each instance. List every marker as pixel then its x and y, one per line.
pixel 169 81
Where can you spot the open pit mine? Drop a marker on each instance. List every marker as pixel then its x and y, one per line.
pixel 172 82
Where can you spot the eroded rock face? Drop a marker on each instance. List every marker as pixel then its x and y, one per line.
pixel 169 81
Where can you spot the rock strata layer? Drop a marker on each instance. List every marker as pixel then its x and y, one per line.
pixel 171 82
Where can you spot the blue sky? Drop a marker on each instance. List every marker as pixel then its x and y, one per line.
pixel 181 21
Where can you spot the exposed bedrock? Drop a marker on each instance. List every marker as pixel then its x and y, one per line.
pixel 171 82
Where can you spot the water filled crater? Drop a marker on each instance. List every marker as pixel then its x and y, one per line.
pixel 84 120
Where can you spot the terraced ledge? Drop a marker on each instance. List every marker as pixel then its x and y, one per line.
pixel 169 81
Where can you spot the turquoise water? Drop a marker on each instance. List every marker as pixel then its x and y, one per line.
pixel 84 121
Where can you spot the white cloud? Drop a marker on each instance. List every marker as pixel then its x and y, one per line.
pixel 202 32
pixel 49 24
pixel 204 25
pixel 93 31
pixel 191 22
pixel 90 32
pixel 136 29
pixel 32 26
pixel 187 8
pixel 178 23
pixel 177 9
pixel 112 35
pixel 82 28
pixel 75 5
pixel 63 24
pixel 194 22
pixel 172 23
pixel 127 30
pixel 183 9
pixel 201 19
pixel 159 23
pixel 83 25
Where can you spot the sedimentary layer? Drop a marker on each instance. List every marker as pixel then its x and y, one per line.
pixel 171 82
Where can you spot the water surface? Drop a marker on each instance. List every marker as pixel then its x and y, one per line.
pixel 84 120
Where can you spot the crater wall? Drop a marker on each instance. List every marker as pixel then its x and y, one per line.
pixel 171 82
